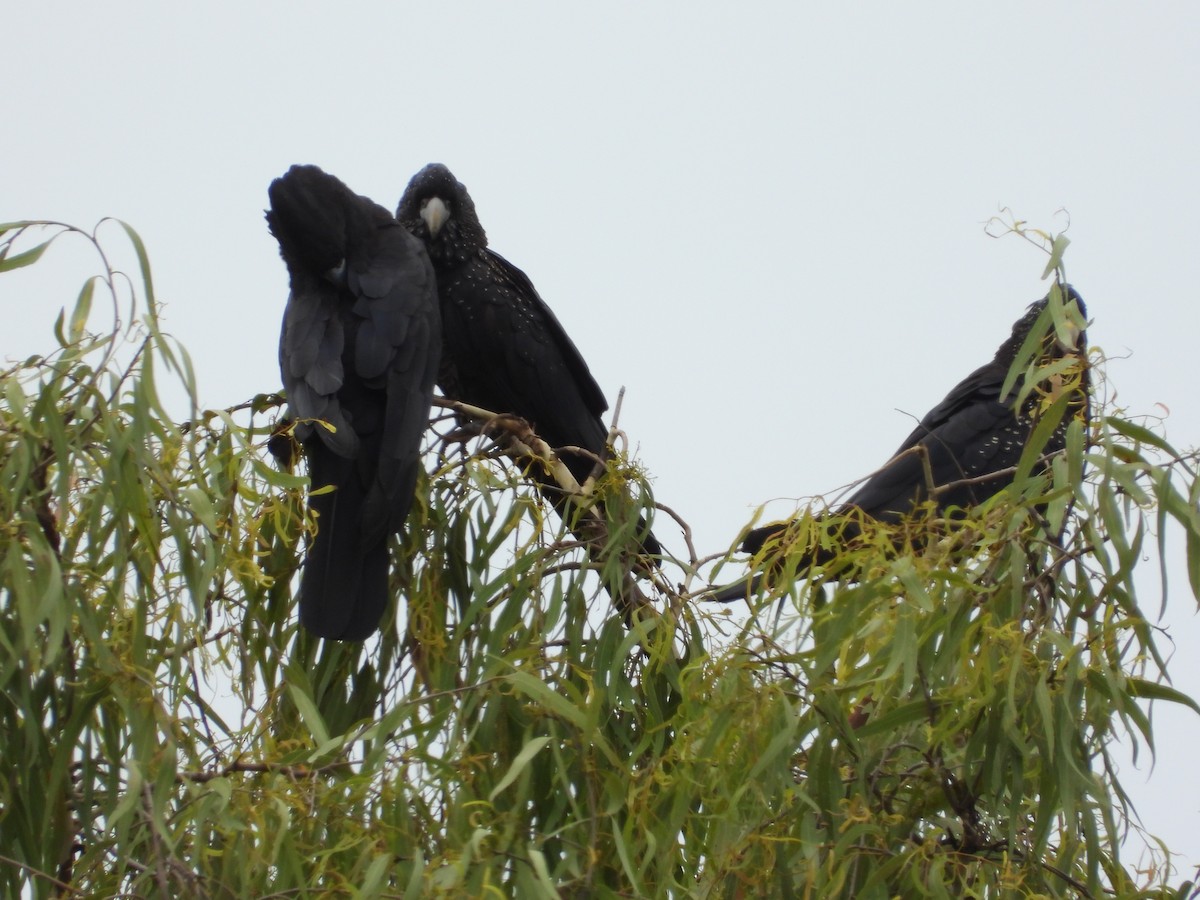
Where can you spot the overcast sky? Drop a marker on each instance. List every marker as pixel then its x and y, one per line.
pixel 765 220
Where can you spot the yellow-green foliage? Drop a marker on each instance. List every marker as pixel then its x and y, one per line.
pixel 940 727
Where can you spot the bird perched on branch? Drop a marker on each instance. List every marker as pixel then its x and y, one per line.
pixel 967 447
pixel 359 356
pixel 504 350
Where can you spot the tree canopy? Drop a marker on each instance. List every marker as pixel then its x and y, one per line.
pixel 941 725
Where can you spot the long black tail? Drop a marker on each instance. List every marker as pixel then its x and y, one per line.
pixel 625 594
pixel 739 590
pixel 581 468
pixel 344 586
pixel 649 543
pixel 754 542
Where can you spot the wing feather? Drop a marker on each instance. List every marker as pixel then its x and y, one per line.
pixel 359 350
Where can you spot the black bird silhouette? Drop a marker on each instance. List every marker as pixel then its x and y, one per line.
pixel 504 350
pixel 965 448
pixel 359 350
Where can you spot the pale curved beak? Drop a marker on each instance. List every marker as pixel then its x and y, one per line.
pixel 435 213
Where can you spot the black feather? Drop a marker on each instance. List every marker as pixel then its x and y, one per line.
pixel 504 348
pixel 972 434
pixel 359 350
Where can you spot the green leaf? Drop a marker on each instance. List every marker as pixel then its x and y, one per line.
pixel 1035 446
pixel 1151 690
pixel 528 752
pixel 542 693
pixel 1139 433
pixel 1026 354
pixel 1057 249
pixel 895 720
pixel 538 860
pixel 842 744
pixel 375 879
pixel 202 506
pixel 143 259
pixel 309 713
pixel 413 887
pixel 6 227
pixel 25 258
pixel 83 309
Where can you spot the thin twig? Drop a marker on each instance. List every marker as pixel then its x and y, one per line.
pixel 38 873
pixel 693 557
pixel 296 773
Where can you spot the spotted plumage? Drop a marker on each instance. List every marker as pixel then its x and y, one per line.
pixel 973 438
pixel 359 351
pixel 504 349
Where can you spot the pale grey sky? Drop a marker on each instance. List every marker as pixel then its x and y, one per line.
pixel 764 220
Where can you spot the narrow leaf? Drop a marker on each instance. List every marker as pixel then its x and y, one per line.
pixel 1151 690
pixel 542 693
pixel 528 752
pixel 26 258
pixel 83 309
pixel 309 713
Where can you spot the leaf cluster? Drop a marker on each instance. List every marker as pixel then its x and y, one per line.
pixel 940 725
